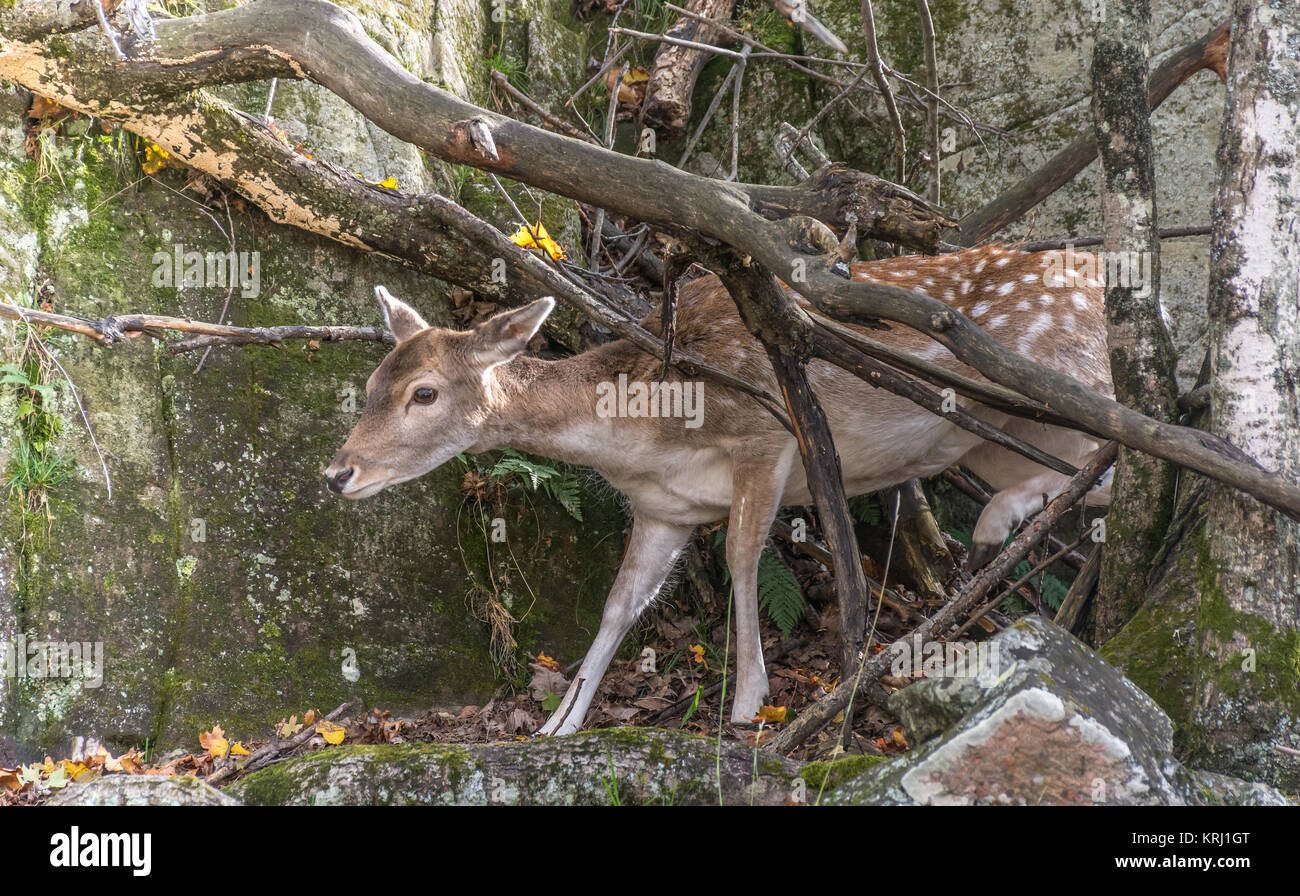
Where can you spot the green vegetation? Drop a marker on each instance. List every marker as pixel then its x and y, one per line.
pixel 36 466
pixel 779 594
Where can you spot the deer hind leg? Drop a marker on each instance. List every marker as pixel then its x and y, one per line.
pixel 651 552
pixel 1023 487
pixel 758 481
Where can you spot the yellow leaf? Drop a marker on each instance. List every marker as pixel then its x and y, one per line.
pixel 238 749
pixel 74 769
pixel 155 158
pixel 332 733
pixel 387 183
pixel 214 742
pixel 773 715
pixel 632 88
pixel 697 653
pixel 542 241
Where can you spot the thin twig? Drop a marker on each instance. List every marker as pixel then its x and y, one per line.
pixel 678 42
pixel 268 753
pixel 1079 242
pixel 735 116
pixel 713 107
pixel 559 124
pixel 932 99
pixel 611 120
pixel 596 77
pixel 877 69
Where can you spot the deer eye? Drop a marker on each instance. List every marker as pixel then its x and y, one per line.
pixel 425 395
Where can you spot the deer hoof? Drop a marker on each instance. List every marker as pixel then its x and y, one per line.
pixel 980 555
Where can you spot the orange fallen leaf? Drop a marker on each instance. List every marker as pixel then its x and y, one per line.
pixel 632 88
pixel 74 770
pixel 773 715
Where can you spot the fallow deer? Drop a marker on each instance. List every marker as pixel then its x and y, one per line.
pixel 443 392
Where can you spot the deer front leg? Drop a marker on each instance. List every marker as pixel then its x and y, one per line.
pixel 651 553
pixel 757 484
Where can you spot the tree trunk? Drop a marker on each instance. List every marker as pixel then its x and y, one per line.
pixel 1142 358
pixel 1218 643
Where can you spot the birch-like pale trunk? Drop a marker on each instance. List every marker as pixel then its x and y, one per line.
pixel 1246 690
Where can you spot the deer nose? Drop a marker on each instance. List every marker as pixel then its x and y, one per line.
pixel 336 481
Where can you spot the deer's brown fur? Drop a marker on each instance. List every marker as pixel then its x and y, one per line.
pixel 740 463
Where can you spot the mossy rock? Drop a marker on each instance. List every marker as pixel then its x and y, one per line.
pixel 612 766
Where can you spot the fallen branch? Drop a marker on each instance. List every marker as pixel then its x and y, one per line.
pixel 677 66
pixel 271 752
pixel 811 720
pixel 1080 242
pixel 112 330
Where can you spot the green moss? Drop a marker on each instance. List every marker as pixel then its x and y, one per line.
pixel 60 47
pixel 824 777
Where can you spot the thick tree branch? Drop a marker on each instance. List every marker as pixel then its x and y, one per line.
pixel 667 105
pixel 314 39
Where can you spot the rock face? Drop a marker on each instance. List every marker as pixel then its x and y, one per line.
pixel 224 583
pixel 1045 721
pixel 142 790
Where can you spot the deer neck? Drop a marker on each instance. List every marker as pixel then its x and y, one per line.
pixel 545 408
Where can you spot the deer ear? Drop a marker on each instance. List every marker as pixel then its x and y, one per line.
pixel 500 338
pixel 400 317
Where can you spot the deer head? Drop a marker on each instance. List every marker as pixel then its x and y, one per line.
pixel 430 398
